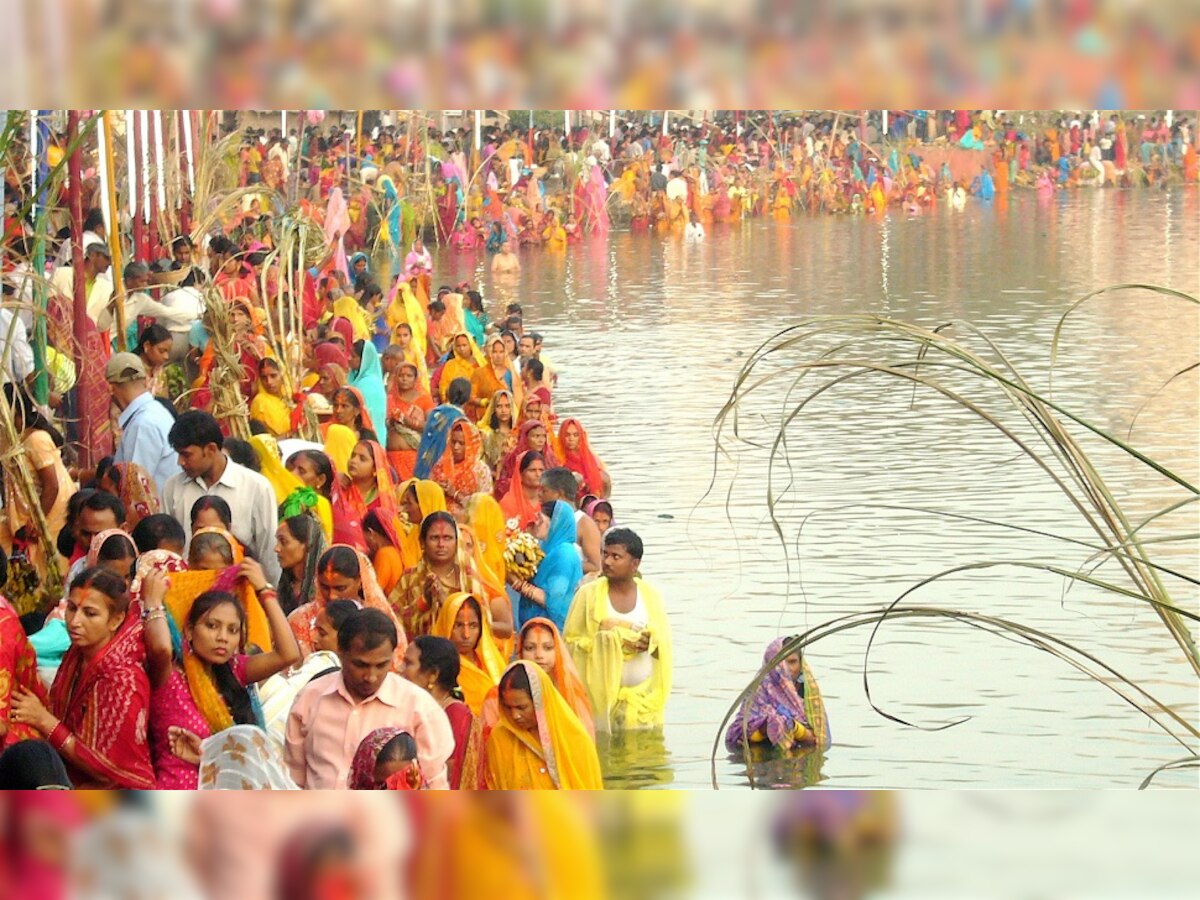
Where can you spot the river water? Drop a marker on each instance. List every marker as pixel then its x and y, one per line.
pixel 649 334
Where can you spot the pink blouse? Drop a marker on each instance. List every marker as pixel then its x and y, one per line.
pixel 172 704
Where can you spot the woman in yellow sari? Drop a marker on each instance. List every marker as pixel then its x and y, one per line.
pixel 539 743
pixel 462 621
pixel 340 441
pixel 404 309
pixel 462 364
pixel 486 519
pixel 347 307
pixel 418 498
pixel 269 405
pixel 293 495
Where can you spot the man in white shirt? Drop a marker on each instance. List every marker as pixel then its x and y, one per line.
pixel 197 438
pixel 145 423
pixel 93 233
pixel 16 353
pixel 96 262
pixel 139 303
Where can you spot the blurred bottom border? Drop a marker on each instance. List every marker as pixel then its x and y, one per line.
pixel 652 844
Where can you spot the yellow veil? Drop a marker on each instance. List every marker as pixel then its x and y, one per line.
pixel 431 498
pixel 477 676
pixel 487 521
pixel 559 749
pixel 284 482
pixel 339 444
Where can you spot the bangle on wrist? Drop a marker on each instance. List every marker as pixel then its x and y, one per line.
pixel 58 735
pixel 265 589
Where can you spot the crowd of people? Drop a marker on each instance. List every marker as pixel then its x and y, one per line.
pixel 552 187
pixel 346 611
pixel 369 551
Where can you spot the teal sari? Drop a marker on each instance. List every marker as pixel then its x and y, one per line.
pixel 368 379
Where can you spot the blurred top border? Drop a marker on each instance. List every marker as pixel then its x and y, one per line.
pixel 648 54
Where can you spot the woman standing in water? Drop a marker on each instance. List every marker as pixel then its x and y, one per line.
pixel 539 743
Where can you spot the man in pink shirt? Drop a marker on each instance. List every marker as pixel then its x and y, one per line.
pixel 332 715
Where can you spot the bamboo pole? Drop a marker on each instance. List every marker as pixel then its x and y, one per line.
pixel 136 200
pixel 41 381
pixel 295 179
pixel 358 143
pixel 109 187
pixel 86 388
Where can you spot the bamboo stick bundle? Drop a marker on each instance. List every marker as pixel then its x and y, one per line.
pixel 21 486
pixel 224 379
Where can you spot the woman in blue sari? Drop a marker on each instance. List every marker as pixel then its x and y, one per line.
pixel 559 573
pixel 360 274
pixel 367 377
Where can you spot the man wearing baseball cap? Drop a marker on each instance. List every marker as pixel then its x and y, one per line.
pixel 145 423
pixel 97 259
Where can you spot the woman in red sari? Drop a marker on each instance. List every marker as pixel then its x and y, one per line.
pixel 366 485
pixel 18 671
pixel 100 699
pixel 531 436
pixel 523 501
pixel 579 458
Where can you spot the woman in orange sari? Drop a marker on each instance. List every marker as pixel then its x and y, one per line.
pixel 497 374
pixel 129 482
pixel 383 542
pixel 344 573
pixel 523 500
pixel 408 405
pixel 540 642
pixel 461 471
pixel 350 409
pixel 462 621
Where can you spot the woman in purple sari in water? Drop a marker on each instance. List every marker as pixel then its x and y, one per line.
pixel 785 711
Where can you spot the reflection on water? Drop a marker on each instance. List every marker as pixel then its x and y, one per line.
pixel 648 337
pixel 635 759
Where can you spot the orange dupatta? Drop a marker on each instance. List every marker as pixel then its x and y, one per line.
pixel 515 504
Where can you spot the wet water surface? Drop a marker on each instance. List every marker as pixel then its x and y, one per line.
pixel 648 336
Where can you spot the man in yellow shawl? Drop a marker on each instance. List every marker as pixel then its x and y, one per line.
pixel 619 637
